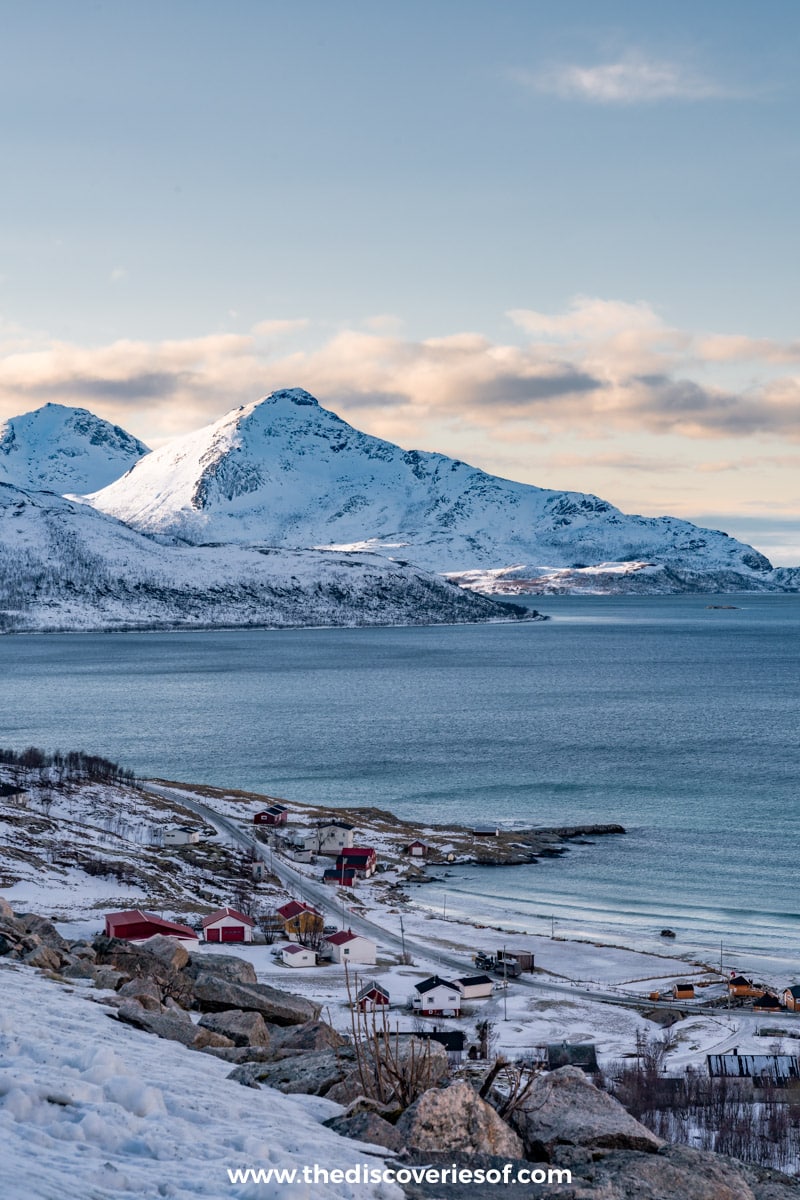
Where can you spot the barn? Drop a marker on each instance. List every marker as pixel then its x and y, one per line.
pixel 135 925
pixel 228 925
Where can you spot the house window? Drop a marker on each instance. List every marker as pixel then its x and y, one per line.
pixel 347 949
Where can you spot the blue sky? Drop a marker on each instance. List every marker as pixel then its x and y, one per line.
pixel 557 240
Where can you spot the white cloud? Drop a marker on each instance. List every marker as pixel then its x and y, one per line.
pixel 280 327
pixel 632 79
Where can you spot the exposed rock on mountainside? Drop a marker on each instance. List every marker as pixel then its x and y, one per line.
pixel 288 472
pixel 60 449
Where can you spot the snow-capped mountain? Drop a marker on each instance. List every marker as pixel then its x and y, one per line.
pixel 288 472
pixel 63 565
pixel 62 449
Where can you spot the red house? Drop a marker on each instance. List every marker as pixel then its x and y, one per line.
pixel 276 814
pixel 339 876
pixel 136 926
pixel 228 925
pixel 372 996
pixel 362 859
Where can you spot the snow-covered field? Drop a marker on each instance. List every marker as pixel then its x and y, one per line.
pixel 91 1109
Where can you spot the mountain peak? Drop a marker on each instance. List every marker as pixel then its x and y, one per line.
pixel 62 449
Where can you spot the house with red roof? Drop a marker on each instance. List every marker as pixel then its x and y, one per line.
pixel 135 925
pixel 362 859
pixel 300 918
pixel 372 997
pixel 348 947
pixel 228 925
pixel 298 956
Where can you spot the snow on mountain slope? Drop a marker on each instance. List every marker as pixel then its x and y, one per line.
pixel 61 449
pixel 64 565
pixel 91 1108
pixel 289 472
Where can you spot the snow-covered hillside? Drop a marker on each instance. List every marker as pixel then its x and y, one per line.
pixel 289 472
pixel 63 565
pixel 61 449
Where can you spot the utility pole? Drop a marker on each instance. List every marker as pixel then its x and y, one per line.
pixel 505 985
pixel 402 937
pixel 444 906
pixel 552 928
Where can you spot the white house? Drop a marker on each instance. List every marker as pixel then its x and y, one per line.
pixel 349 947
pixel 330 837
pixel 298 956
pixel 228 925
pixel 474 987
pixel 181 835
pixel 435 997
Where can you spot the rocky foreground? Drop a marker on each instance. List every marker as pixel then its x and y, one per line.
pixel 396 1092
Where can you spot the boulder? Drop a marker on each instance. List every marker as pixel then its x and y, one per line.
pixel 312 1035
pixel 242 1028
pixel 163 1025
pixel 677 1172
pixel 455 1118
pixel 44 957
pixel 79 968
pixel 313 1074
pixel 367 1127
pixel 209 1039
pixel 240 1054
pixel 564 1108
pixel 109 978
pixel 145 990
pixel 237 970
pixel 5 908
pixel 213 993
pixel 155 959
pixel 45 930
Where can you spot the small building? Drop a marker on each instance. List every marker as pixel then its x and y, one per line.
pixel 791 998
pixel 330 837
pixel 417 849
pixel 372 997
pixel 435 997
pixel 228 925
pixel 485 831
pixel 744 989
pixel 453 1040
pixel 361 859
pixel 276 814
pixel 135 925
pixel 523 958
pixel 474 987
pixel 572 1054
pixel 300 918
pixel 349 947
pixel 298 956
pixel 181 835
pixel 339 876
pixel 683 991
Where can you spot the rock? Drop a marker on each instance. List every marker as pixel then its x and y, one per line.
pixel 109 978
pixel 237 970
pixel 45 930
pixel 78 969
pixel 242 1028
pixel 145 990
pixel 6 911
pixel 163 1025
pixel 313 1035
pixel 82 950
pixel 564 1108
pixel 241 1054
pixel 167 950
pixel 44 957
pixel 209 1039
pixel 678 1171
pixel 313 1074
pixel 211 993
pixel 456 1118
pixel 367 1127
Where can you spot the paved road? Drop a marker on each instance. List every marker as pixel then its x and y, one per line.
pixel 319 894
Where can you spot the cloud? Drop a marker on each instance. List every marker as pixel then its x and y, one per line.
pixel 280 327
pixel 632 79
pixel 600 368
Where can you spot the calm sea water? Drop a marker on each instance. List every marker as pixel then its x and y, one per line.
pixel 679 721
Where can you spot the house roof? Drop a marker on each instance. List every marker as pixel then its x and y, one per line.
pixel 293 908
pixel 767 1001
pixel 293 948
pixel 417 842
pixel 339 873
pixel 369 988
pixel 135 916
pixel 357 852
pixel 794 991
pixel 334 825
pixel 473 980
pixel 222 913
pixel 451 1039
pixel 343 936
pixel 433 981
pixel 740 981
pixel 576 1054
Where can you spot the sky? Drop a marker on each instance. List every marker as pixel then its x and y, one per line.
pixel 559 241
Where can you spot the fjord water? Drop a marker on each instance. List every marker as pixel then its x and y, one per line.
pixel 677 720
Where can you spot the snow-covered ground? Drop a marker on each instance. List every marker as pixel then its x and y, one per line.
pixel 91 1109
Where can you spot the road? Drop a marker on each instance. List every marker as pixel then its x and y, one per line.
pixel 319 894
